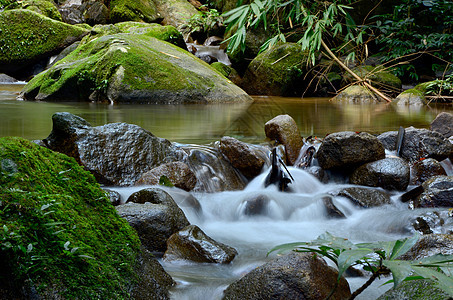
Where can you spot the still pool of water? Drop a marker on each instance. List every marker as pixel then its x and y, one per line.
pixel 199 124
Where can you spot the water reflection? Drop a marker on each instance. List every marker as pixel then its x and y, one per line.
pixel 197 123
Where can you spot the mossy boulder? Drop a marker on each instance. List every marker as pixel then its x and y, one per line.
pixel 277 71
pixel 61 238
pixel 175 12
pixel 227 71
pixel 140 11
pixel 28 37
pixel 135 69
pixel 378 76
pixel 356 94
pixel 412 97
pixel 47 8
pixel 415 290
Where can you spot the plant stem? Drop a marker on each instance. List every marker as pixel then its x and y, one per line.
pixel 367 284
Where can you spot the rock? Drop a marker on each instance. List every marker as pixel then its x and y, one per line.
pixel 293 276
pixel 65 215
pixel 356 94
pixel 415 290
pixel 277 71
pixel 284 130
pixel 155 218
pixel 443 123
pixel 227 71
pixel 213 41
pixel 43 7
pixel 138 11
pixel 191 243
pixel 132 68
pixel 410 97
pixel 429 245
pixel 391 173
pixel 438 192
pixel 427 222
pixel 114 196
pixel 418 144
pixel 256 205
pixel 7 79
pixel 347 149
pixel 365 197
pixel 378 76
pixel 28 37
pixel 331 210
pixel 246 158
pixel 95 12
pixel 425 169
pixel 179 174
pixel 175 12
pixel 71 12
pixel 116 153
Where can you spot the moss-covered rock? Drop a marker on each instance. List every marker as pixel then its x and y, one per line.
pixel 413 97
pixel 27 37
pixel 132 68
pixel 378 76
pixel 141 11
pixel 175 12
pixel 61 238
pixel 277 71
pixel 47 8
pixel 356 94
pixel 227 71
pixel 415 290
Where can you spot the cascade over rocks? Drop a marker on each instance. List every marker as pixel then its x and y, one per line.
pixel 191 243
pixel 247 159
pixel 438 192
pixel 418 144
pixel 391 173
pixel 179 174
pixel 365 197
pixel 284 130
pixel 293 276
pixel 116 153
pixel 343 150
pixel 437 221
pixel 154 215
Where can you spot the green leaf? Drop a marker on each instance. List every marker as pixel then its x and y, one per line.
pixel 402 246
pixel 401 269
pixel 285 247
pixel 348 257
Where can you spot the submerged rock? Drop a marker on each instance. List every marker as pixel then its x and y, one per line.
pixel 343 150
pixel 391 173
pixel 191 243
pixel 155 216
pixel 179 174
pixel 418 144
pixel 132 68
pixel 256 205
pixel 55 209
pixel 116 153
pixel 293 276
pixel 284 130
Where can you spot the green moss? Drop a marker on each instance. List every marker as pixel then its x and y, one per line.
pixel 416 92
pixel 140 10
pixel 222 68
pixel 44 7
pixel 378 76
pixel 27 35
pixel 58 229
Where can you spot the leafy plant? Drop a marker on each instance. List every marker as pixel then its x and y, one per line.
pixel 441 88
pixel 380 258
pixel 204 21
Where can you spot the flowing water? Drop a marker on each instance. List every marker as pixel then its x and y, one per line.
pixel 287 217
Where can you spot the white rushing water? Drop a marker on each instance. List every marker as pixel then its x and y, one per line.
pixel 287 217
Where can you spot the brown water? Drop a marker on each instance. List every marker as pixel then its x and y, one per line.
pixel 198 123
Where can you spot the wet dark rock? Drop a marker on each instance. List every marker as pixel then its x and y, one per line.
pixel 365 197
pixel 331 209
pixel 319 173
pixel 415 290
pixel 114 196
pixel 418 144
pixel 206 58
pixel 412 194
pixel 443 124
pixel 155 218
pixel 95 12
pixel 425 169
pixel 429 245
pixel 284 130
pixel 343 150
pixel 293 276
pixel 244 157
pixel 389 173
pixel 256 205
pixel 191 243
pixel 439 221
pixel 116 153
pixel 179 174
pixel 438 192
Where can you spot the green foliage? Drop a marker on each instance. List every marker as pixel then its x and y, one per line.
pixel 58 230
pixel 440 87
pixel 204 21
pixel 413 27
pixel 380 258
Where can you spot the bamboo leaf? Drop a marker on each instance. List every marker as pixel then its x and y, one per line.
pixel 401 269
pixel 402 246
pixel 348 257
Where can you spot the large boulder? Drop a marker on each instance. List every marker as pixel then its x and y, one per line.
pixel 155 216
pixel 284 130
pixel 191 243
pixel 429 245
pixel 438 192
pixel 293 276
pixel 412 97
pixel 28 37
pixel 246 158
pixel 365 197
pixel 62 238
pixel 46 8
pixel 443 123
pixel 418 144
pixel 133 68
pixel 179 174
pixel 346 149
pixel 277 71
pixel 116 153
pixel 139 11
pixel 377 75
pixel 391 173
